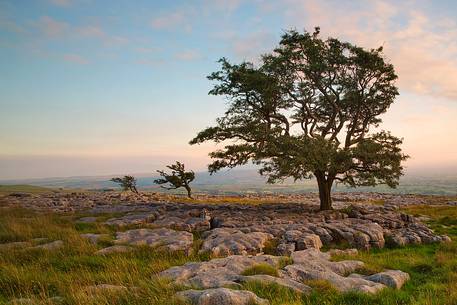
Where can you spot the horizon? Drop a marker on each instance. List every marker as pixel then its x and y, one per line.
pixel 93 88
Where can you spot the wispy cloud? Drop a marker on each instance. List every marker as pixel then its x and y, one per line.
pixel 188 55
pixel 63 3
pixel 423 49
pixel 75 58
pixel 179 18
pixel 51 27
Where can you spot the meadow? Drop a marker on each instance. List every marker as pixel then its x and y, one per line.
pixel 68 275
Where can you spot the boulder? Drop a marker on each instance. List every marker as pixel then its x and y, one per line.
pixel 228 241
pixel 311 264
pixel 55 245
pixel 94 238
pixel 285 282
pixel 220 296
pixel 167 239
pixel 391 278
pixel 217 272
pixel 114 249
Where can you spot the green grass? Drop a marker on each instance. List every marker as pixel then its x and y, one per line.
pixel 261 269
pixel 39 274
pixel 23 188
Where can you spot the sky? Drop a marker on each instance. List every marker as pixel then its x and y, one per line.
pixel 92 87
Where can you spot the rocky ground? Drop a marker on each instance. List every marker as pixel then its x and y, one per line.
pixel 285 233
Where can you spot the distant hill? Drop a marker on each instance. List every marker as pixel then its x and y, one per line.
pixel 248 180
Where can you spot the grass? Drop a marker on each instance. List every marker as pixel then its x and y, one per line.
pixel 23 188
pixel 67 273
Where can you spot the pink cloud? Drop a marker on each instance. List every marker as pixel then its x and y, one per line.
pixel 75 58
pixel 51 27
pixel 188 55
pixel 63 3
pixel 423 50
pixel 176 19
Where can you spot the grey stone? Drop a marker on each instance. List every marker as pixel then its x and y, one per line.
pixel 220 296
pixel 227 241
pixel 164 238
pixel 55 245
pixel 391 278
pixel 94 238
pixel 114 249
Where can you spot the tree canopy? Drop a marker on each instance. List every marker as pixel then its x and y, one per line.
pixel 178 178
pixel 309 108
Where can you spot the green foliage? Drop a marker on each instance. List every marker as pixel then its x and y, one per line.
pixel 307 109
pixel 177 179
pixel 127 183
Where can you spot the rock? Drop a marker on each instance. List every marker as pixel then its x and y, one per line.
pixel 268 279
pixel 227 241
pixel 131 219
pixel 220 296
pixel 168 239
pixel 94 238
pixel 302 240
pixel 114 249
pixel 415 233
pixel 285 248
pixel 15 245
pixel 348 252
pixel 217 272
pixel 311 264
pixel 55 245
pixel 391 278
pixel 21 301
pixel 89 219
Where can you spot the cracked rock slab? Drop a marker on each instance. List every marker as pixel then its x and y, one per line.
pixel 114 249
pixel 217 272
pixel 220 296
pixel 228 241
pixel 311 264
pixel 391 278
pixel 167 239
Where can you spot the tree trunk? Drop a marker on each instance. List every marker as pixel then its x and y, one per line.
pixel 189 192
pixel 325 187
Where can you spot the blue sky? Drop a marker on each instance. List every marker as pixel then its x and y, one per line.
pixel 100 87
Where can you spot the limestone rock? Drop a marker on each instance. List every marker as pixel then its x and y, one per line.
pixel 217 272
pixel 391 278
pixel 114 249
pixel 94 238
pixel 227 241
pixel 15 245
pixel 55 245
pixel 302 240
pixel 286 282
pixel 220 296
pixel 131 219
pixel 311 264
pixel 89 219
pixel 164 238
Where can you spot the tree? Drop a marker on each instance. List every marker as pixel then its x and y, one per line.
pixel 308 109
pixel 178 178
pixel 127 183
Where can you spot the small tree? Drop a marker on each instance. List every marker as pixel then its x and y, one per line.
pixel 127 183
pixel 309 109
pixel 178 178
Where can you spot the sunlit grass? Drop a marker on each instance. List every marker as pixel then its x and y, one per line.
pixel 68 272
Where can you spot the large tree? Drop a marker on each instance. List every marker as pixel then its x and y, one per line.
pixel 309 109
